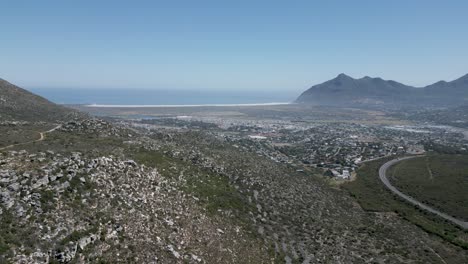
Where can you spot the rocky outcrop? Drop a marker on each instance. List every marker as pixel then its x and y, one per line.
pixel 79 208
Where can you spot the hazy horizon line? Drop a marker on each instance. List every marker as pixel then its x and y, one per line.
pixel 179 105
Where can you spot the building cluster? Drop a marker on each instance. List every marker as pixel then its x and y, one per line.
pixel 337 147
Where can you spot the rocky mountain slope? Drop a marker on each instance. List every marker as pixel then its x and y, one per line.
pixel 347 91
pixel 77 197
pixel 17 103
pixel 306 221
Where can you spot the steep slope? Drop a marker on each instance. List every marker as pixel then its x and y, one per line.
pixel 346 91
pixel 19 104
pixel 79 197
pixel 305 220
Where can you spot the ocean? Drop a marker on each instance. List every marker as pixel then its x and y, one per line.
pixel 160 97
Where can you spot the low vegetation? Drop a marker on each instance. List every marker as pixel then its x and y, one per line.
pixel 20 133
pixel 373 196
pixel 213 190
pixel 17 103
pixel 440 181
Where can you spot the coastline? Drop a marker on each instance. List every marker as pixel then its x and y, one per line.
pixel 194 105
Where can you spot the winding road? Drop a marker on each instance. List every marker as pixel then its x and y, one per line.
pixel 386 182
pixel 41 137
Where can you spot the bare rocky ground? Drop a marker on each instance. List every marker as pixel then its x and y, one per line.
pixel 76 208
pixel 98 192
pixel 306 221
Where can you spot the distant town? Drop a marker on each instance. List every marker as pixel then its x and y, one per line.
pixel 338 148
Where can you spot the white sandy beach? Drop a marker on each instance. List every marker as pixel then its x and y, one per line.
pixel 198 105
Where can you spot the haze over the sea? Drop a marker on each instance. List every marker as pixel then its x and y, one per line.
pixel 160 97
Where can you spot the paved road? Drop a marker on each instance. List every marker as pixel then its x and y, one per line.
pixel 384 179
pixel 41 137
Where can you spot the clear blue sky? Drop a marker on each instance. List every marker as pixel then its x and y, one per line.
pixel 229 45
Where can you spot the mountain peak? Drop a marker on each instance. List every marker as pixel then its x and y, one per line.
pixel 342 75
pixel 372 91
